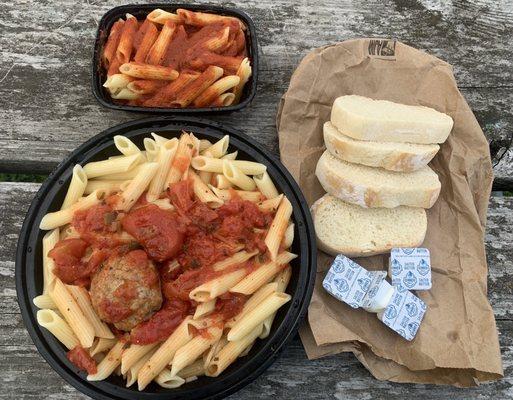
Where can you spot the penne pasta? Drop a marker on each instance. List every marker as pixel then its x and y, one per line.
pixel 231 351
pixel 107 186
pixel 219 148
pixel 164 354
pixel 145 86
pixel 224 100
pixel 160 140
pixel 270 205
pixel 126 40
pixel 217 286
pixel 265 185
pixel 181 160
pixel 204 309
pixel 101 345
pixel 165 158
pixel 137 186
pixel 204 144
pixel 203 192
pixel 288 237
pixel 133 354
pixel 238 258
pixel 278 227
pixel 190 352
pixel 50 239
pixel 210 164
pixel 186 95
pixel 113 166
pixel 257 315
pixel 202 19
pixel 168 381
pixel 44 301
pixel 113 69
pixel 282 281
pixel 72 313
pixel 216 89
pixel 151 148
pixel 194 370
pixel 165 204
pixel 244 73
pixel 218 42
pixel 226 195
pixel 114 83
pixel 209 355
pixel 109 50
pixel 59 328
pixel 76 187
pixel 83 300
pixel 125 94
pixel 148 40
pixel 108 365
pixel 237 177
pixel 161 17
pixel 131 374
pixel 125 146
pixel 230 65
pixel 59 218
pixel 165 96
pixel 158 50
pixel 205 176
pixel 220 182
pixel 263 274
pixel 147 71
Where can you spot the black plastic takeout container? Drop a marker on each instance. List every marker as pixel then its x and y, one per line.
pixel 29 275
pixel 140 11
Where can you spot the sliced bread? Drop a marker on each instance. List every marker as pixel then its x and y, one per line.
pixel 344 228
pixel 388 155
pixel 384 121
pixel 377 187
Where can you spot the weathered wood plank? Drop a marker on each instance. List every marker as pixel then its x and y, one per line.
pixel 292 375
pixel 47 109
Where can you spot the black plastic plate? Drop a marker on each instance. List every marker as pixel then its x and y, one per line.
pixel 29 279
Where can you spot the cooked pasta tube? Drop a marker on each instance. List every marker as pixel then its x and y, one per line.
pixel 257 316
pixel 112 166
pixel 288 237
pixel 190 352
pixel 210 164
pixel 165 204
pixel 107 186
pixel 59 218
pixel 168 381
pixel 164 354
pixel 109 50
pixel 133 354
pixel 195 369
pixel 50 239
pixel 270 205
pixel 263 274
pixel 145 86
pixel 220 182
pixel 218 42
pixel 186 96
pixel 44 301
pixel 108 365
pixel 237 177
pixel 123 176
pixel 226 195
pixel 131 374
pixel 265 185
pixel 206 322
pixel 203 192
pixel 158 50
pixel 72 313
pixel 59 328
pixel 83 300
pixel 101 345
pixel 126 40
pixel 125 94
pixel 217 286
pixel 256 298
pixel 76 187
pixel 152 149
pixel 182 159
pixel 223 100
pixel 137 186
pixel 205 176
pixel 231 156
pixel 147 42
pixel 278 227
pixel 204 144
pixel 114 83
pixel 282 281
pixel 160 140
pixel 209 355
pixel 219 148
pixel 244 73
pixel 161 17
pixel 147 71
pixel 202 19
pixel 164 96
pixel 205 308
pixel 231 351
pixel 165 157
pixel 125 146
pixel 216 89
pixel 238 258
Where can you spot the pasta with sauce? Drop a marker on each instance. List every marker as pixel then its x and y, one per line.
pixel 167 276
pixel 176 60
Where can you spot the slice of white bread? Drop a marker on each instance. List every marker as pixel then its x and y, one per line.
pixel 377 187
pixel 388 155
pixel 344 228
pixel 384 121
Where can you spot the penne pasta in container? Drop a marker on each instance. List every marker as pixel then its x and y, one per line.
pixel 158 50
pixel 125 45
pixel 147 71
pixel 189 93
pixel 148 40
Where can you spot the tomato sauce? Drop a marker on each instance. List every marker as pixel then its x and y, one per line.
pixel 79 357
pixel 229 305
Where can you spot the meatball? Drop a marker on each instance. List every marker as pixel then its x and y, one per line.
pixel 125 291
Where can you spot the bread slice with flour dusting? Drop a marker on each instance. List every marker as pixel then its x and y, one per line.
pixel 348 229
pixel 377 187
pixel 384 121
pixel 389 155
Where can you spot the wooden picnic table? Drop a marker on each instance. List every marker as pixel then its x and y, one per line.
pixel 47 109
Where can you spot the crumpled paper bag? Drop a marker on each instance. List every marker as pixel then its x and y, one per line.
pixel 457 342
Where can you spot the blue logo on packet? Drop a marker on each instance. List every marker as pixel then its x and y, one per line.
pixel 352 264
pixel 341 285
pixel 401 332
pixel 413 327
pixel 326 285
pixel 371 293
pixel 338 266
pixel 390 312
pixel 409 280
pixel 396 267
pixel 423 267
pixel 411 309
pixel 364 283
pixel 408 251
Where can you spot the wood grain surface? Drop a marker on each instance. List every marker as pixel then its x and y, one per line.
pixel 47 108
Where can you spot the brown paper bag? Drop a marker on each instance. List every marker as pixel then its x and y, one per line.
pixel 457 343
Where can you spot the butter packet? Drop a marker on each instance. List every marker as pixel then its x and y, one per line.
pixel 347 281
pixel 404 313
pixel 379 294
pixel 410 268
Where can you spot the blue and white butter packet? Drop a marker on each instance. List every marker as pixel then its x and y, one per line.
pixel 347 281
pixel 410 268
pixel 404 313
pixel 379 294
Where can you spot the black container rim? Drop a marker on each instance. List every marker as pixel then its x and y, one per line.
pixel 96 83
pixel 273 345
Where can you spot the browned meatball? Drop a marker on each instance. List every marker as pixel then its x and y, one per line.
pixel 126 290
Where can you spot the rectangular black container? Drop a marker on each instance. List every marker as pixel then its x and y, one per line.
pixel 140 11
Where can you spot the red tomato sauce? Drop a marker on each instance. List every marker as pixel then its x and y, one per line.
pixel 229 305
pixel 79 357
